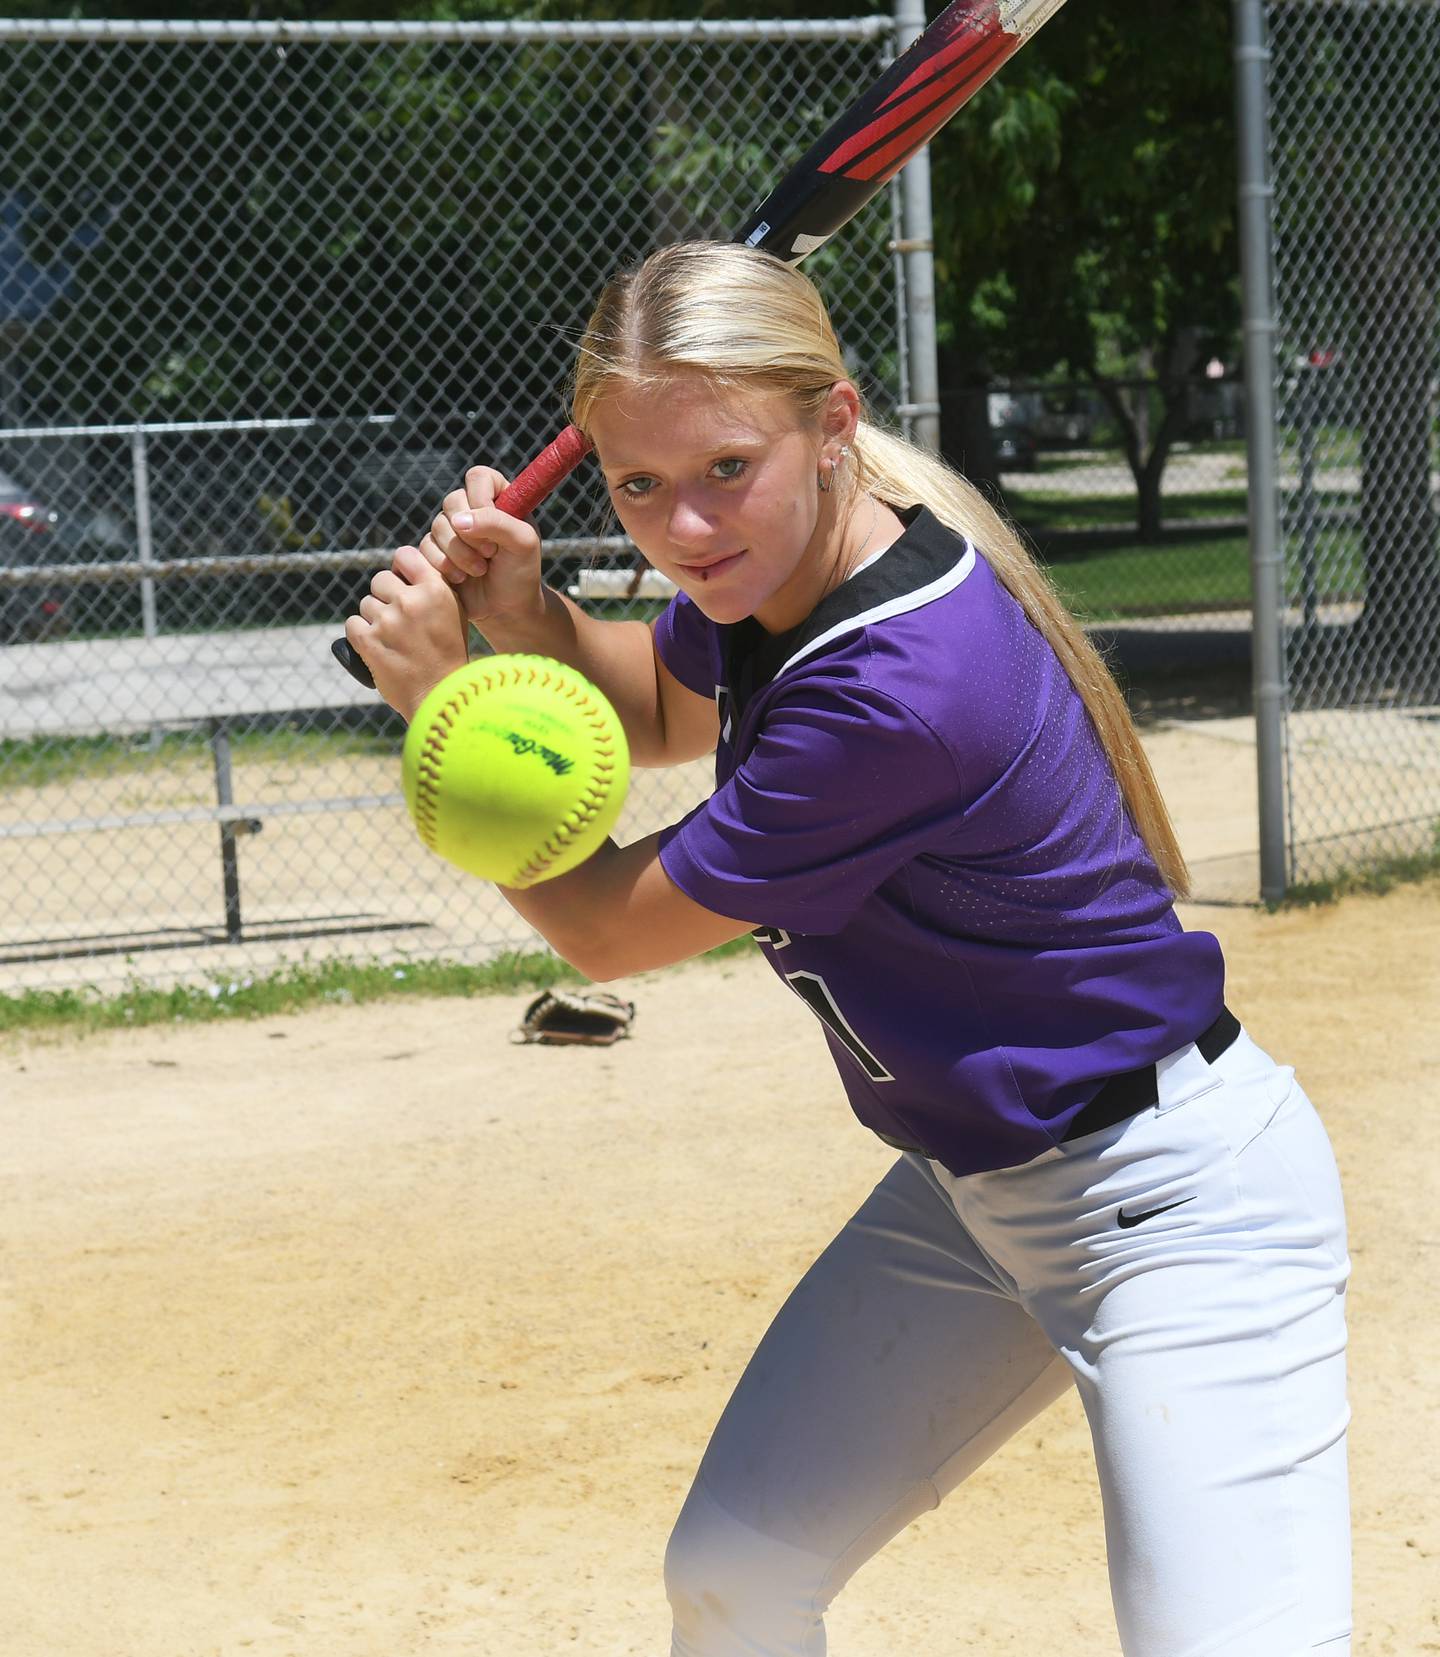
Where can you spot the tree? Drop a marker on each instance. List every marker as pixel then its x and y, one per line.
pixel 1086 215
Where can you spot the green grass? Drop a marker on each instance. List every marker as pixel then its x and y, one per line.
pixel 1234 446
pixel 293 989
pixel 39 761
pixel 1062 460
pixel 347 983
pixel 1334 445
pixel 1045 512
pixel 1375 879
pixel 625 609
pixel 1112 583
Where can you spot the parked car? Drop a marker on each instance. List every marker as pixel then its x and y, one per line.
pixel 27 539
pixel 1067 418
pixel 1014 448
pixel 1061 416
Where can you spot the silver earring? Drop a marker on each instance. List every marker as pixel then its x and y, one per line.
pixel 827 479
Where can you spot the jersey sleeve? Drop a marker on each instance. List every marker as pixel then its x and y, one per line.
pixel 685 642
pixel 843 786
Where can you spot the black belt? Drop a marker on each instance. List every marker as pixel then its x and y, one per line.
pixel 1128 1093
pixel 1135 1090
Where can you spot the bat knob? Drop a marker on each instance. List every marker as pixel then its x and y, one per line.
pixel 351 661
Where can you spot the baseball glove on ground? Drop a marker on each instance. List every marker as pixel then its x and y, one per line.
pixel 588 1018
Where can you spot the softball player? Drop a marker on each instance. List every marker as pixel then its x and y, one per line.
pixel 932 810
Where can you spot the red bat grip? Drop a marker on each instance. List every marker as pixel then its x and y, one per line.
pixel 555 462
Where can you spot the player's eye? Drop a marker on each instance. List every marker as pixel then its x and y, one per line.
pixel 731 469
pixel 636 489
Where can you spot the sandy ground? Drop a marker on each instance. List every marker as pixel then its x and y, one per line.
pixel 366 1333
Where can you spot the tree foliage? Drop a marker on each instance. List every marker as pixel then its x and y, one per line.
pixel 1086 212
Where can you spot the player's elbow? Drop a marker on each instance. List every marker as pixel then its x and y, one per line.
pixel 598 959
pixel 604 954
pixel 590 950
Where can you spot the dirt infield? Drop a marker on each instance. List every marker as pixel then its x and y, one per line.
pixel 366 1332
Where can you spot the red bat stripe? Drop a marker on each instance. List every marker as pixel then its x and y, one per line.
pixel 900 161
pixel 980 62
pixel 908 126
pixel 970 36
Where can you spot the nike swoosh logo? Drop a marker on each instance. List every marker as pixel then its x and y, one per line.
pixel 1125 1221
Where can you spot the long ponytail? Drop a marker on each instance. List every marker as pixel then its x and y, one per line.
pixel 902 474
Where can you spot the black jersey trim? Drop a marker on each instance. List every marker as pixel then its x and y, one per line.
pixel 915 599
pixel 915 570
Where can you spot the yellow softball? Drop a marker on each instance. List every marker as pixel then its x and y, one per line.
pixel 515 769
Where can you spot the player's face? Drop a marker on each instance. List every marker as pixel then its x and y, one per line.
pixel 720 493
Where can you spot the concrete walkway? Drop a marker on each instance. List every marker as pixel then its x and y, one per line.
pixel 120 686
pixel 125 686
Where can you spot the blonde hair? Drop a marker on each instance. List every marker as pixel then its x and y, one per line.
pixel 745 321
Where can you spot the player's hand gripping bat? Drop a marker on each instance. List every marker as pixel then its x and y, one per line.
pixel 901 111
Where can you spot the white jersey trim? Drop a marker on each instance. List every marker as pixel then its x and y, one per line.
pixel 916 600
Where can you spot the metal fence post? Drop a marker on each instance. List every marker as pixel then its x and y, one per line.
pixel 144 539
pixel 1306 403
pixel 1251 57
pixel 231 829
pixel 229 860
pixel 916 245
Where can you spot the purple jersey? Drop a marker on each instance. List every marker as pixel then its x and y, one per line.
pixel 913 806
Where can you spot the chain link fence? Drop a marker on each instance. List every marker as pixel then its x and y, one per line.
pixel 265 291
pixel 1355 153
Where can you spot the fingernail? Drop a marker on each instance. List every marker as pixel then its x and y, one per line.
pixel 463 520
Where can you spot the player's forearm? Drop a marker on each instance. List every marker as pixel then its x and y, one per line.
pixel 616 656
pixel 618 913
pixel 577 912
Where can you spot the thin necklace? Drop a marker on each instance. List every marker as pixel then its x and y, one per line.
pixel 859 556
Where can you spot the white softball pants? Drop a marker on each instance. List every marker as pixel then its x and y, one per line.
pixel 1207 1342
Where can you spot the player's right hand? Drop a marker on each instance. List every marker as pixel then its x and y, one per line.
pixel 408 630
pixel 491 558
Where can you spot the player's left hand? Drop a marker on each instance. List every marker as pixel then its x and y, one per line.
pixel 410 630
